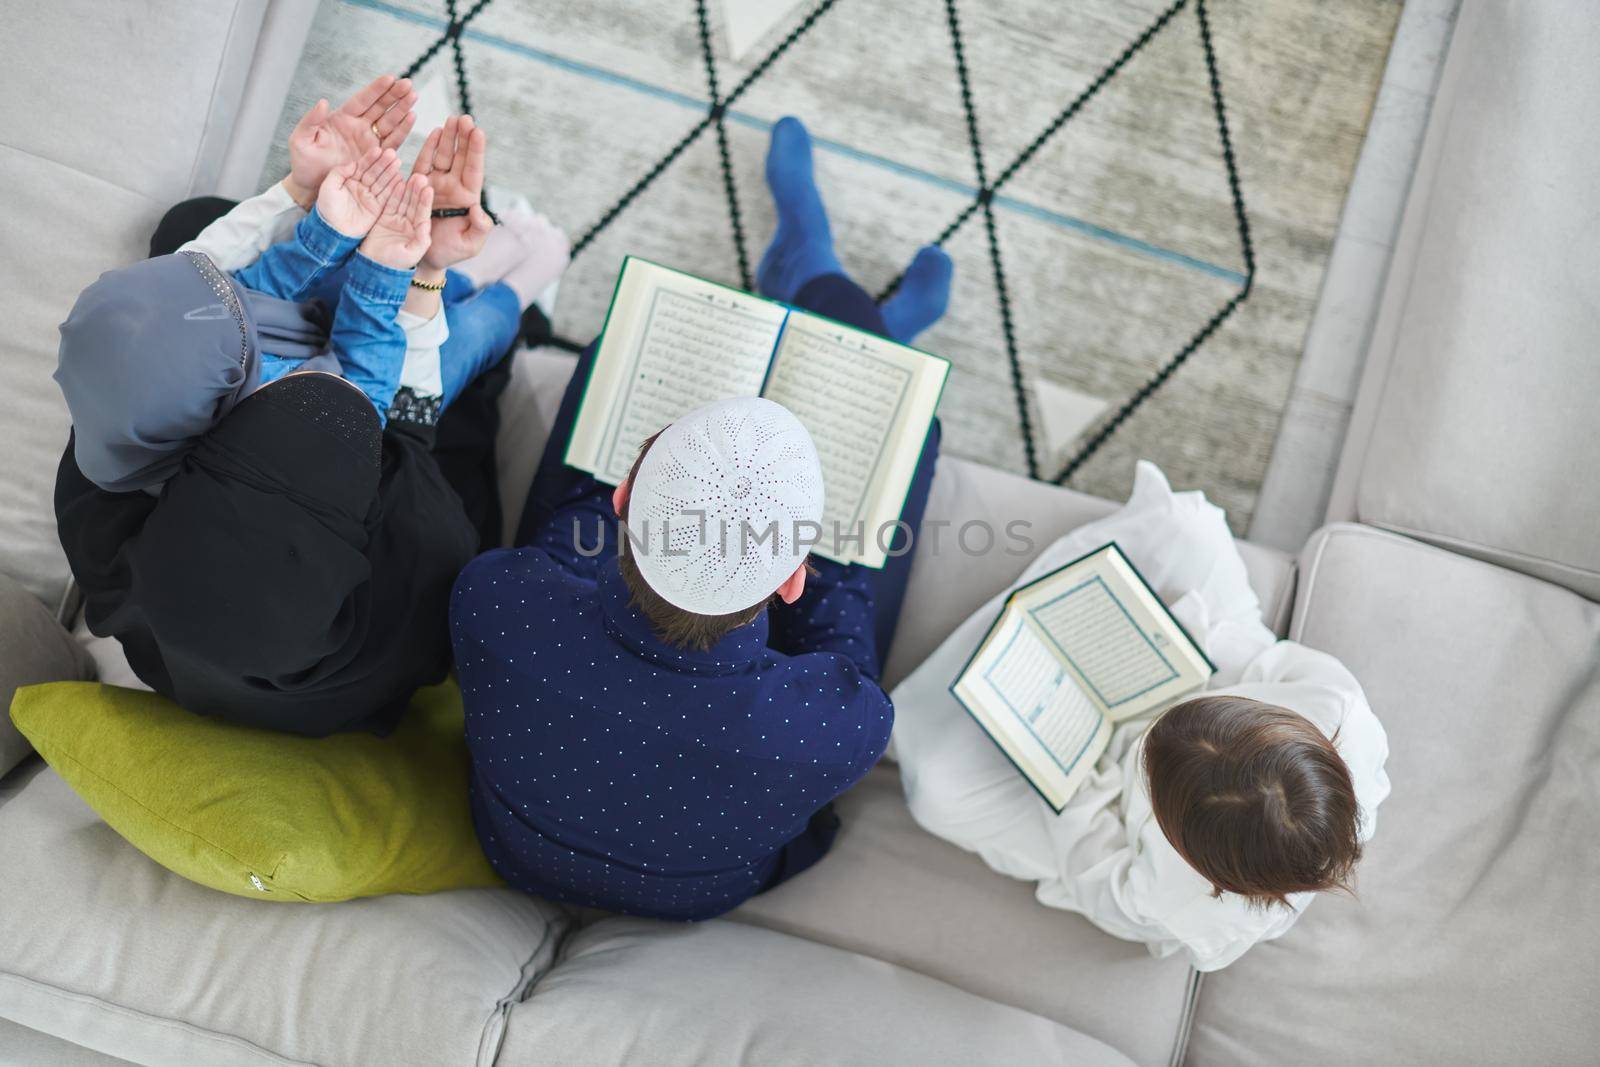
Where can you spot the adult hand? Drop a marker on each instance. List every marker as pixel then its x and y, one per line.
pixel 379 115
pixel 452 162
pixel 400 236
pixel 353 194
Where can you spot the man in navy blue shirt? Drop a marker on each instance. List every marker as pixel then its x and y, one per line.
pixel 645 746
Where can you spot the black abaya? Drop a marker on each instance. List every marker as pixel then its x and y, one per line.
pixel 295 574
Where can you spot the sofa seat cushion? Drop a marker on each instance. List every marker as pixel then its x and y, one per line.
pixel 1474 929
pixel 892 891
pixel 528 410
pixel 102 947
pixel 634 991
pixel 1483 366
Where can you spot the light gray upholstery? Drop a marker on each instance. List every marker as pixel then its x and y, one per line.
pixel 1476 925
pixel 112 227
pixel 1478 427
pixel 139 96
pixel 892 891
pixel 527 411
pixel 252 122
pixel 629 991
pixel 22 1047
pixel 117 112
pixel 101 946
pixel 33 648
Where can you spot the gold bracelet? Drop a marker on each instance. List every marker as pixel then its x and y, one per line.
pixel 431 287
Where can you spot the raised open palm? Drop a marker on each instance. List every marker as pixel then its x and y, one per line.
pixel 452 161
pixel 353 194
pixel 400 236
pixel 379 116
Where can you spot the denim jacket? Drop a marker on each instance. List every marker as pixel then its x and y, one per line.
pixel 319 262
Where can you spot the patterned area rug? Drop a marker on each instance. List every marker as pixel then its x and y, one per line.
pixel 1117 237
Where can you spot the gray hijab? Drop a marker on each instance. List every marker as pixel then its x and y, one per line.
pixel 154 354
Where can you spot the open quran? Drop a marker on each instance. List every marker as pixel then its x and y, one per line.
pixel 673 342
pixel 1072 654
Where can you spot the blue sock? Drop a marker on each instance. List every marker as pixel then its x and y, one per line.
pixel 923 295
pixel 802 249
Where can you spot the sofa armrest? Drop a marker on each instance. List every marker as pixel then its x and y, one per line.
pixel 1474 426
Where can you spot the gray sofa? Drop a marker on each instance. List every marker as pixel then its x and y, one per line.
pixel 1453 581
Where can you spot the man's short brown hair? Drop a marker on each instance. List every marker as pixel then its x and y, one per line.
pixel 1254 797
pixel 673 625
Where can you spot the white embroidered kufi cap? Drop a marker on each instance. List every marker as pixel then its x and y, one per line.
pixel 725 505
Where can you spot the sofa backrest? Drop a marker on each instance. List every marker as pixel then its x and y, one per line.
pixel 117 111
pixel 1478 423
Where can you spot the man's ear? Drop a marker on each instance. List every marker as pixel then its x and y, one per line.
pixel 793 585
pixel 619 496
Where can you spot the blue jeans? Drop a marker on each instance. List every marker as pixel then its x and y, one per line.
pixel 484 324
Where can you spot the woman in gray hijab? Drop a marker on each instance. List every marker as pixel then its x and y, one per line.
pixel 277 556
pixel 155 354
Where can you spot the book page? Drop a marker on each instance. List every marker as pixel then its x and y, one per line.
pixel 672 342
pixel 867 403
pixel 1125 650
pixel 1023 694
pixel 848 399
pixel 1098 636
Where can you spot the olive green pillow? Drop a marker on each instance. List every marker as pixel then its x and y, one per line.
pixel 263 814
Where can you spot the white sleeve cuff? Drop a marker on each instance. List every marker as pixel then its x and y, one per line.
pixel 252 226
pixel 424 333
pixel 424 338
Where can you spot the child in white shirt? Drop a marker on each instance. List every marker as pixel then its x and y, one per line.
pixel 1203 831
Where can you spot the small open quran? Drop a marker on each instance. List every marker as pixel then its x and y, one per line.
pixel 1072 654
pixel 673 342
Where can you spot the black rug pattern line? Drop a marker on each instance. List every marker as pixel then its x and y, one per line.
pixel 982 203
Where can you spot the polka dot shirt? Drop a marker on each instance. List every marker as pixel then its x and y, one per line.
pixel 614 771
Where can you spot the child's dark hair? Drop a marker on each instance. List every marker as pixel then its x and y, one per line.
pixel 1254 797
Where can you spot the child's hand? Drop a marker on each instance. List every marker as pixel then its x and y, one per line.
pixel 353 194
pixel 400 236
pixel 452 161
pixel 379 115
